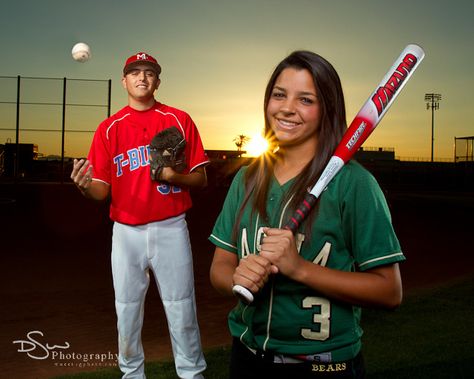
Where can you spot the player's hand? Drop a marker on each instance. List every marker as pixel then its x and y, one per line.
pixel 167 174
pixel 253 272
pixel 279 247
pixel 81 174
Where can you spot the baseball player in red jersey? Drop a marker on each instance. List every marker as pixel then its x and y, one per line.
pixel 149 232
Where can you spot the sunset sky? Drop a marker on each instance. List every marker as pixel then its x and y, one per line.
pixel 217 56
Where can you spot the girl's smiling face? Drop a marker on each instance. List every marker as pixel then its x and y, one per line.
pixel 293 109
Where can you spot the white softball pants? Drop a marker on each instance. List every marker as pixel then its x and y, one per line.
pixel 164 248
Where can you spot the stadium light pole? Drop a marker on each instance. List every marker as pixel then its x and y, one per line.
pixel 432 101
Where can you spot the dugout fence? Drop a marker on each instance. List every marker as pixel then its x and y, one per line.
pixel 464 149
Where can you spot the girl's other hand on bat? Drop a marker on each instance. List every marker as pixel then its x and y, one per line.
pixel 279 247
pixel 253 272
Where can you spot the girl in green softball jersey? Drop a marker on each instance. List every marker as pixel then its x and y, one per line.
pixel 309 287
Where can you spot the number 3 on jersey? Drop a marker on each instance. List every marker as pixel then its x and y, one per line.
pixel 321 318
pixel 324 315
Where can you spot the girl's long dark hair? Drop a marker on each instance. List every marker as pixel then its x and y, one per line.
pixel 331 129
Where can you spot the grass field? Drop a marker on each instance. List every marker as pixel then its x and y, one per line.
pixel 430 336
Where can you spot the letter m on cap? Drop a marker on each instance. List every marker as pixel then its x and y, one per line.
pixel 142 56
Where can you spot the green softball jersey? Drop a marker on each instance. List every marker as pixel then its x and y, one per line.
pixel 351 232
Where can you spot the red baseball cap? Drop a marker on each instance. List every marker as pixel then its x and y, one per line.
pixel 141 58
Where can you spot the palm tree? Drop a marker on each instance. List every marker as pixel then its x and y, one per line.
pixel 240 141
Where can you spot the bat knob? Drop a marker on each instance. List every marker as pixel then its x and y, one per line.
pixel 242 293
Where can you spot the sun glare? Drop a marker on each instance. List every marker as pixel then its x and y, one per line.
pixel 256 146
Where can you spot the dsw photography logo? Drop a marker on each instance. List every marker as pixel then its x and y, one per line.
pixel 35 347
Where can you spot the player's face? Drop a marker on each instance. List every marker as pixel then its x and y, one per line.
pixel 293 110
pixel 141 82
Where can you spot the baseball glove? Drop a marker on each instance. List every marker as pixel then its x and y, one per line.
pixel 167 150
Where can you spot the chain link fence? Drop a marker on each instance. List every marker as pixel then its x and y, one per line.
pixel 46 122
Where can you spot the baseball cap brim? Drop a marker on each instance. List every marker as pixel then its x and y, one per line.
pixel 155 66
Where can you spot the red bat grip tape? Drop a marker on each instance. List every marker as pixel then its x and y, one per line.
pixel 301 213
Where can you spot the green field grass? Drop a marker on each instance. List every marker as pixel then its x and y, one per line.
pixel 430 336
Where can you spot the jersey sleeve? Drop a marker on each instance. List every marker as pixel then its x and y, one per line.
pixel 99 156
pixel 222 233
pixel 195 154
pixel 367 223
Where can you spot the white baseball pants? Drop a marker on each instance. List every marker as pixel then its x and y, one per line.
pixel 164 248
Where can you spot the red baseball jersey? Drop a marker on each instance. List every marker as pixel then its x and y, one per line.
pixel 120 157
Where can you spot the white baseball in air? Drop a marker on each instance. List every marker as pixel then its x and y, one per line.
pixel 81 52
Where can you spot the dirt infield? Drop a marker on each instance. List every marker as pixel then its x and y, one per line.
pixel 58 311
